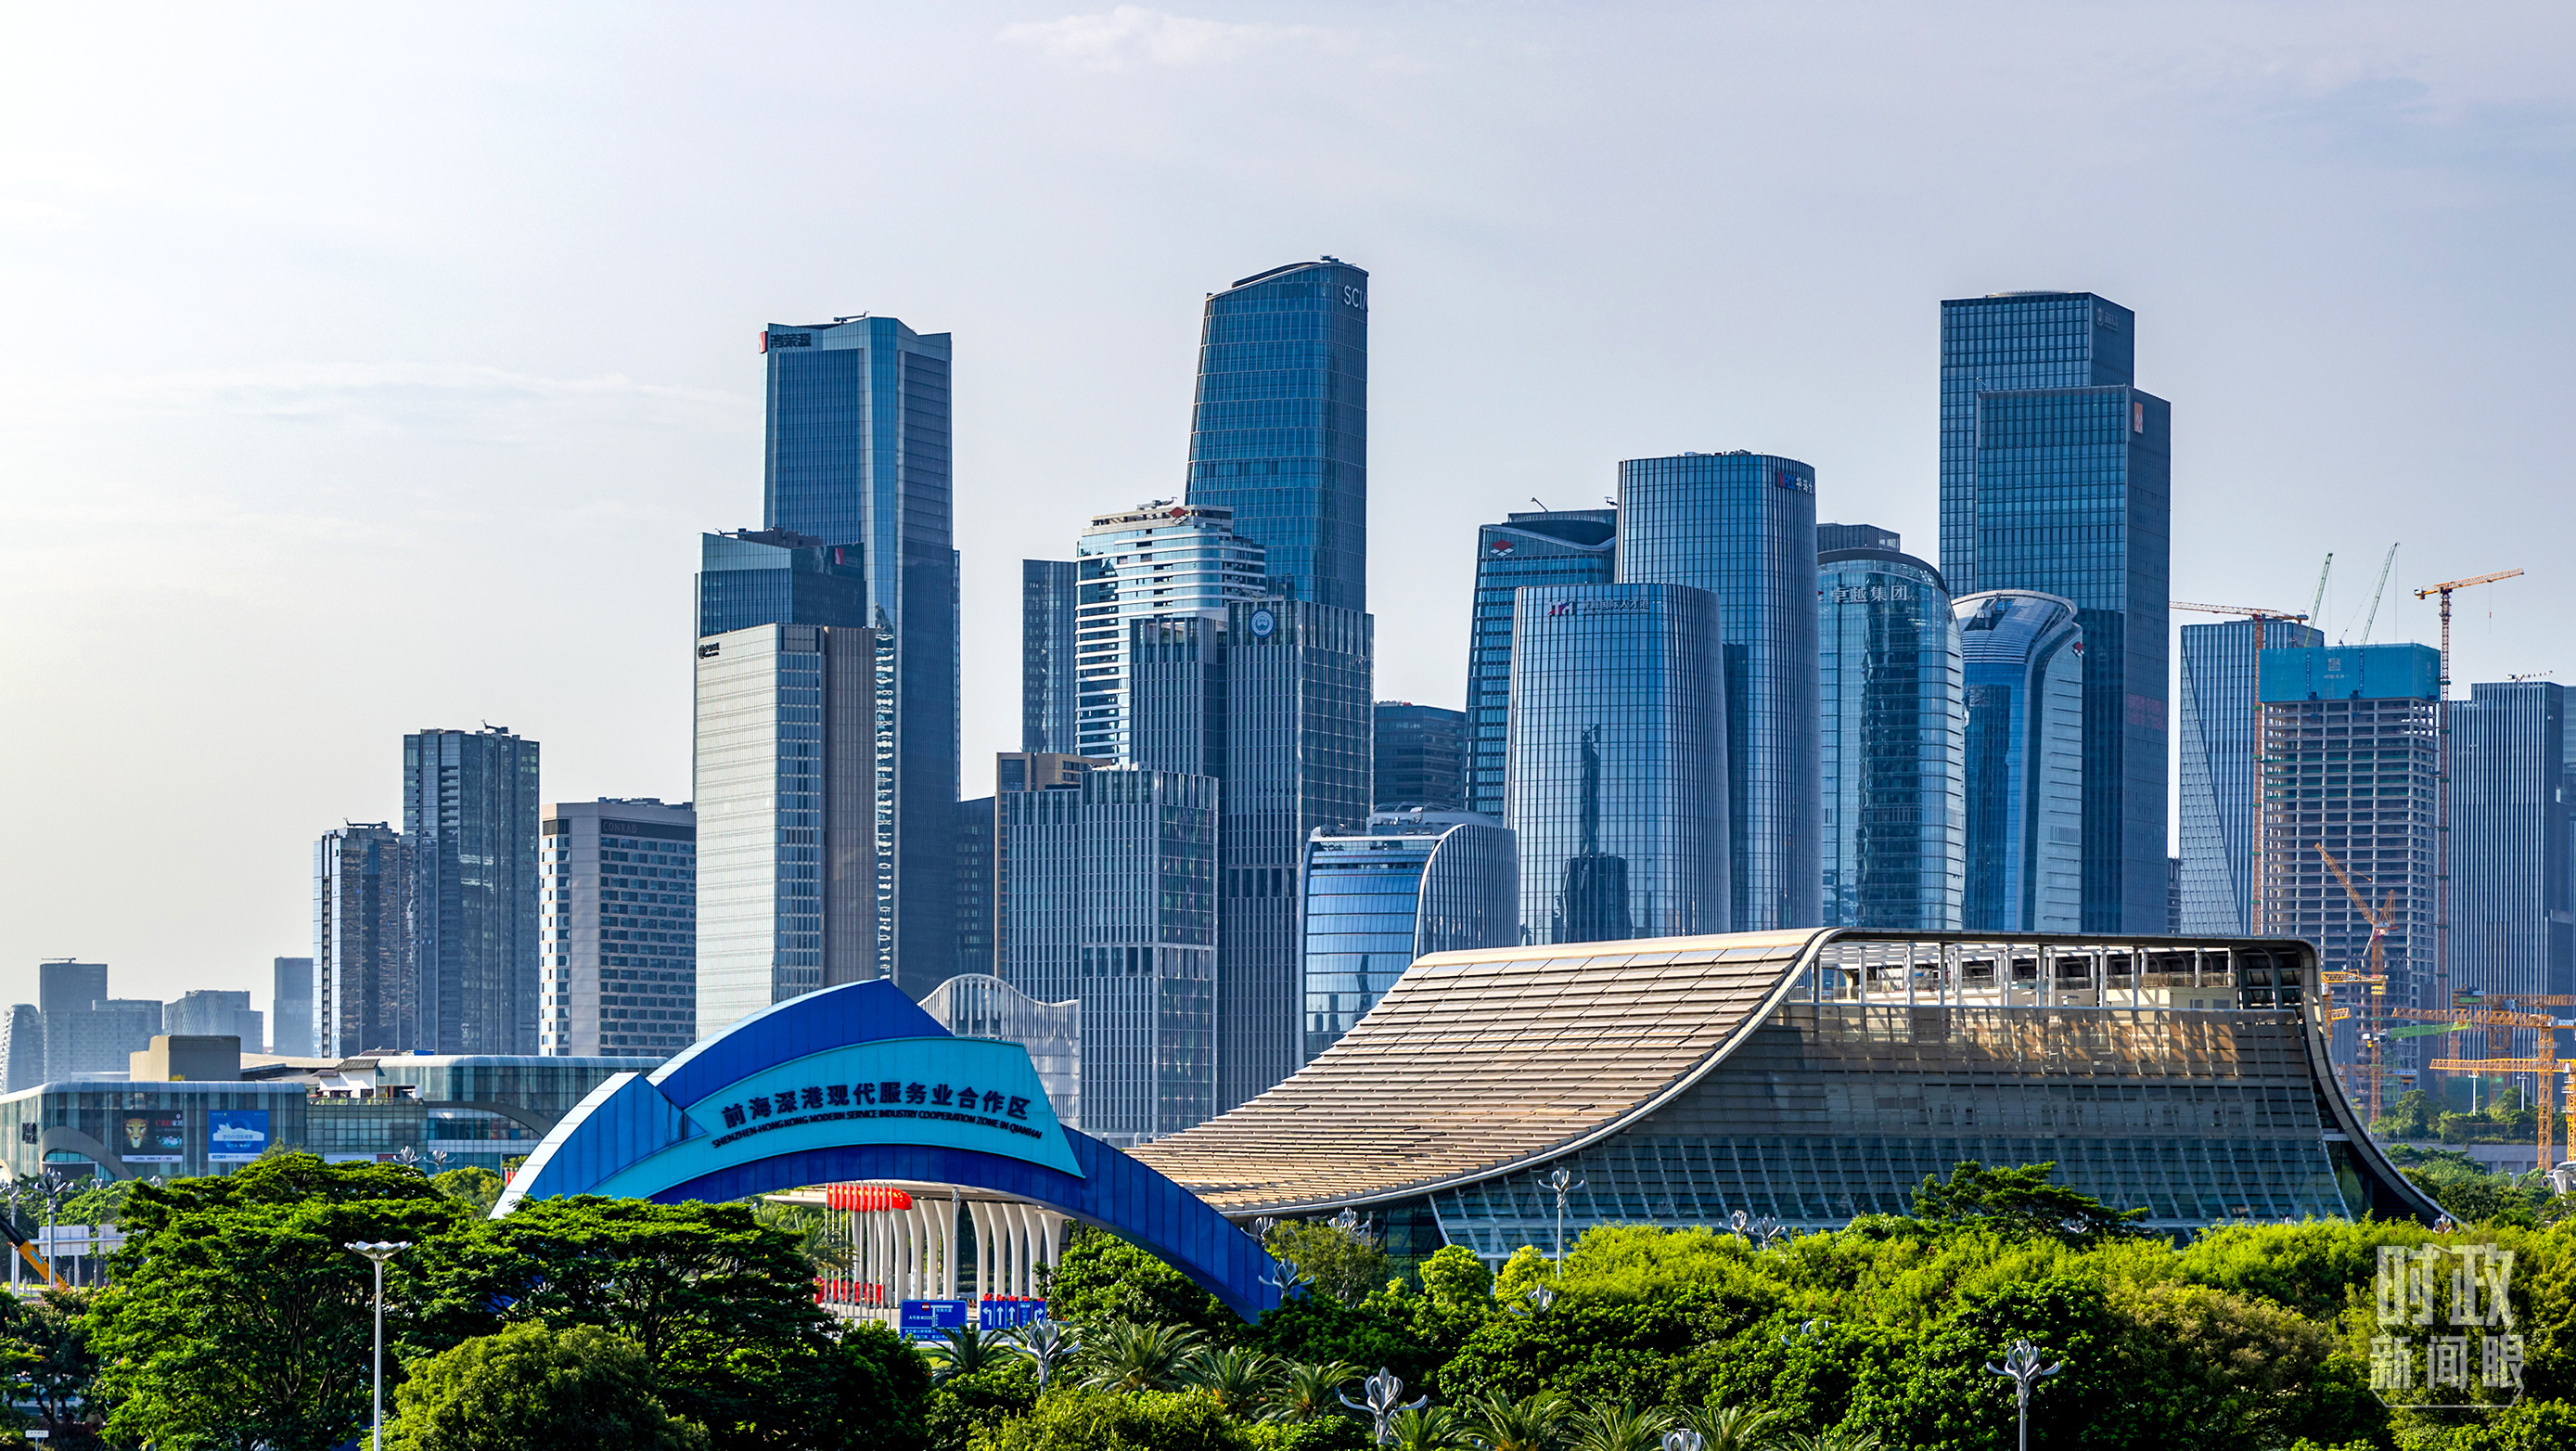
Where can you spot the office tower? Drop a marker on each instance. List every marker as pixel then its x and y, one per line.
pixel 1048 594
pixel 2173 895
pixel 1572 546
pixel 290 1008
pixel 1419 754
pixel 470 812
pixel 1109 899
pixel 103 1039
pixel 621 929
pixel 787 794
pixel 975 885
pixel 1279 428
pixel 2512 877
pixel 979 1005
pixel 2350 762
pixel 1406 885
pixel 22 1046
pixel 1893 720
pixel 215 1013
pixel 858 455
pixel 2022 663
pixel 1150 562
pixel 1041 770
pixel 366 991
pixel 2054 477
pixel 1742 526
pixel 777 577
pixel 2221 750
pixel 64 988
pixel 1618 763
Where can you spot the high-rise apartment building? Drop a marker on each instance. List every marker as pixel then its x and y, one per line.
pixel 2351 758
pixel 1109 898
pixel 777 577
pixel 857 455
pixel 1406 885
pixel 1049 601
pixel 470 813
pixel 2220 722
pixel 787 792
pixel 101 1041
pixel 366 988
pixel 1742 526
pixel 1618 764
pixel 290 1007
pixel 1572 546
pixel 2055 476
pixel 621 931
pixel 64 990
pixel 1893 720
pixel 1279 427
pixel 1420 756
pixel 215 1013
pixel 22 1046
pixel 2022 665
pixel 975 885
pixel 2513 844
pixel 1151 562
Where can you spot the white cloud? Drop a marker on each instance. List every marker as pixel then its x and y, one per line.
pixel 1133 35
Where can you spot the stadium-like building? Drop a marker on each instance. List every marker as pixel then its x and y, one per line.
pixel 1809 1077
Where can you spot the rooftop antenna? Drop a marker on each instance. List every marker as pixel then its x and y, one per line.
pixel 2373 617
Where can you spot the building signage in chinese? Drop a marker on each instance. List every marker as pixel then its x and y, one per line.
pixel 236 1135
pixel 2446 1335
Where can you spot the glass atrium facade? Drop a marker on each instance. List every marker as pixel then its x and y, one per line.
pixel 1618 765
pixel 2511 824
pixel 1279 429
pixel 470 815
pixel 1895 739
pixel 2221 750
pixel 1573 546
pixel 857 455
pixel 1403 888
pixel 1742 526
pixel 2055 477
pixel 1150 562
pixel 2021 656
pixel 619 907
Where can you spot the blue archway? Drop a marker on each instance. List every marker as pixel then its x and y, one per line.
pixel 857 1082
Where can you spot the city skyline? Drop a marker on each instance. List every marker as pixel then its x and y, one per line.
pixel 309 433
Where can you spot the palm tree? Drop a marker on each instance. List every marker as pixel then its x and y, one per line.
pixel 1734 1428
pixel 1125 1356
pixel 1602 1426
pixel 1237 1379
pixel 1832 1439
pixel 1533 1423
pixel 1306 1390
pixel 965 1351
pixel 1425 1428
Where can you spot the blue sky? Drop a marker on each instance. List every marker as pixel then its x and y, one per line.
pixel 365 369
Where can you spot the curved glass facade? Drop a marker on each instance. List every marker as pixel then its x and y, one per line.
pixel 1279 432
pixel 1894 726
pixel 1409 885
pixel 1742 526
pixel 1617 776
pixel 1573 546
pixel 2023 662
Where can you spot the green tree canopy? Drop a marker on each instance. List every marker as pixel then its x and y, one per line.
pixel 580 1389
pixel 1102 1278
pixel 2020 1203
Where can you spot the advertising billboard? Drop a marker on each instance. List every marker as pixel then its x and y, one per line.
pixel 236 1135
pixel 152 1137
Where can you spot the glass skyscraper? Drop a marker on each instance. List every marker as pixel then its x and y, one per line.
pixel 366 991
pixel 1405 886
pixel 1742 526
pixel 2022 663
pixel 777 577
pixel 1108 897
pixel 470 813
pixel 1279 429
pixel 1420 756
pixel 787 728
pixel 2221 750
pixel 1894 725
pixel 1152 561
pixel 2055 477
pixel 1618 765
pixel 621 929
pixel 1047 612
pixel 857 455
pixel 2513 808
pixel 1572 546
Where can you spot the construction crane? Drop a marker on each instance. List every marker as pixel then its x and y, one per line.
pixel 2379 924
pixel 2316 609
pixel 2545 1068
pixel 2249 612
pixel 2377 592
pixel 2442 792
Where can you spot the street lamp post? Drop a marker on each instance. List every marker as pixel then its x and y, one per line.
pixel 1563 1183
pixel 2021 1363
pixel 378 1252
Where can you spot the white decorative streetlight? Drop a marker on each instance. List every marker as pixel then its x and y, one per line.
pixel 1563 1183
pixel 2021 1363
pixel 1683 1441
pixel 1385 1399
pixel 379 1251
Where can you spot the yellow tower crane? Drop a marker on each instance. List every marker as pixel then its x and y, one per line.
pixel 2373 1028
pixel 2442 794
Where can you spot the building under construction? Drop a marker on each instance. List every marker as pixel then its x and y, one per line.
pixel 2351 758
